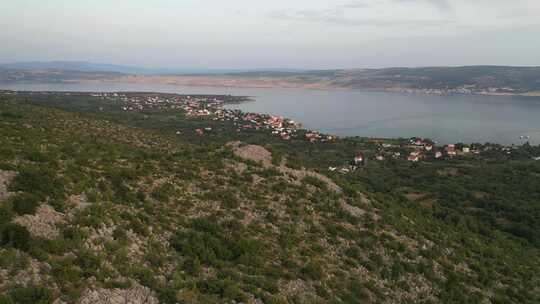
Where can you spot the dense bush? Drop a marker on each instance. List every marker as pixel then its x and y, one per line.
pixel 31 295
pixel 15 236
pixel 211 243
pixel 465 212
pixel 25 203
pixel 6 213
pixel 226 289
pixel 311 180
pixel 163 192
pixel 41 181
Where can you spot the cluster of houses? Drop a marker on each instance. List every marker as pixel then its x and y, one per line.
pixel 415 150
pixel 277 125
pixel 358 161
pixel 425 149
pixel 192 106
pixel 207 106
pixel 212 106
pixel 461 90
pixel 314 137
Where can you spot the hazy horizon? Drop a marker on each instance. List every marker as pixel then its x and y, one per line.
pixel 238 34
pixel 226 69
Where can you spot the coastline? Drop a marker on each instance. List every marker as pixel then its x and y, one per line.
pixel 281 83
pixel 238 82
pixel 244 99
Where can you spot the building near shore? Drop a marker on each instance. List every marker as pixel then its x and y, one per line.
pixel 359 159
pixel 414 156
pixel 451 150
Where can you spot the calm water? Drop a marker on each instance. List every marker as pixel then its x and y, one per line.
pixel 348 113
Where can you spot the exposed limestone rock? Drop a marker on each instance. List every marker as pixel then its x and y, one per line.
pixel 353 210
pixel 32 273
pixel 296 287
pixel 238 167
pixel 301 174
pixel 98 237
pixel 137 294
pixel 264 157
pixel 5 178
pixel 78 202
pixel 252 152
pixel 43 223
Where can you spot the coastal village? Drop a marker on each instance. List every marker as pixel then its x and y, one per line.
pixel 412 150
pixel 468 89
pixel 211 108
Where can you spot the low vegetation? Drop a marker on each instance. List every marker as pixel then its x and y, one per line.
pixel 143 213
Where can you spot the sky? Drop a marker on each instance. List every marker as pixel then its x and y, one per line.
pixel 248 34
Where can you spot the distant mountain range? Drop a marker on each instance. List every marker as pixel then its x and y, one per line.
pixel 432 80
pixel 84 66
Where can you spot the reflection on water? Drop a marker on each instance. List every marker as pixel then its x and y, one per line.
pixel 372 114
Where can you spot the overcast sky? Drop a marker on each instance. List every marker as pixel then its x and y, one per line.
pixel 276 33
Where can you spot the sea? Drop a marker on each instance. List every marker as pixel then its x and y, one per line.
pixel 445 119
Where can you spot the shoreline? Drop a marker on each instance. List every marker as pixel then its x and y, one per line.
pixel 243 99
pixel 278 83
pixel 234 84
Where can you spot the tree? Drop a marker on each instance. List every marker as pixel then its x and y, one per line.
pixel 31 295
pixel 25 203
pixel 15 236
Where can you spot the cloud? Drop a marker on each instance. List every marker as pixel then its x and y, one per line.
pixel 357 4
pixel 443 6
pixel 337 16
pixel 360 13
pixel 343 21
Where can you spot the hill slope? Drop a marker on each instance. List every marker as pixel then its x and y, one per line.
pixel 98 204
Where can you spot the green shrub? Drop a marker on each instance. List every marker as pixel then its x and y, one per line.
pixel 13 260
pixel 37 156
pixel 163 192
pixel 40 181
pixel 313 270
pixel 145 276
pixel 5 300
pixel 58 205
pixel 88 262
pixel 31 295
pixel 225 288
pixel 15 236
pixel 193 266
pixel 310 180
pixel 6 214
pixel 25 204
pixel 65 272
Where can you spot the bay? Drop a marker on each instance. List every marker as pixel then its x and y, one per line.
pixel 446 119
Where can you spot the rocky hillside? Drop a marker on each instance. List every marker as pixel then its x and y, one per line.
pixel 493 80
pixel 443 80
pixel 97 209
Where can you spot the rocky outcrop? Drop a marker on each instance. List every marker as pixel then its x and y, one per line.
pixel 301 174
pixel 137 294
pixel 78 202
pixel 254 153
pixel 353 210
pixel 31 271
pixel 43 222
pixel 5 178
pixel 262 156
